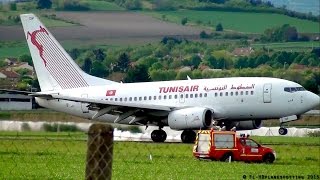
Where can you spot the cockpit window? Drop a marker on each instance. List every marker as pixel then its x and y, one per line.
pixel 294 89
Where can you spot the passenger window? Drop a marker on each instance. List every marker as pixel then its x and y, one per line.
pixel 200 95
pixel 191 95
pixel 247 93
pixel 226 93
pixel 205 94
pixel 130 98
pixel 251 92
pixel 215 94
pixel 241 93
pixel 111 99
pixel 176 96
pixel 135 98
pixel 120 99
pixel 116 99
pixel 154 97
pixel 106 99
pixel 186 95
pixel 221 94
pixel 181 95
pixel 140 98
pixel 231 93
pixel 125 99
pixel 145 98
pixel 237 93
pixel 165 97
pixel 195 95
pixel 160 97
pixel 150 97
pixel 170 96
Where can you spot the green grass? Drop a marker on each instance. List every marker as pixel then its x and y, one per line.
pixel 300 46
pixel 62 156
pixel 239 21
pixel 102 6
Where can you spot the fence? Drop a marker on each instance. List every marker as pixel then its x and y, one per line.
pixel 65 155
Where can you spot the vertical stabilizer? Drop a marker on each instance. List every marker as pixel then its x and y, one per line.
pixel 54 67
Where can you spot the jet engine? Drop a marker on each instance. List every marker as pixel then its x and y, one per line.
pixel 190 118
pixel 248 125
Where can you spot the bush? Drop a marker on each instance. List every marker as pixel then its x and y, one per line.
pixel 184 21
pixel 204 35
pixel 59 127
pixel 314 134
pixel 25 127
pixel 75 6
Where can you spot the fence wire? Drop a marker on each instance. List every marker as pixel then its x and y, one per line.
pixel 66 155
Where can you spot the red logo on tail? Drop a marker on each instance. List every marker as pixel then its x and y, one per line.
pixel 36 43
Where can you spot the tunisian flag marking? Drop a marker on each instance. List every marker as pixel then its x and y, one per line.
pixel 111 92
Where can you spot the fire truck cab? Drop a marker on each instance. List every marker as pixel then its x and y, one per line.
pixel 227 146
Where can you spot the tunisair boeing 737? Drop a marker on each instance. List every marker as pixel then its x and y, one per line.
pixel 241 102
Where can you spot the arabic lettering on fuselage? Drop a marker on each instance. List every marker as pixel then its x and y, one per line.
pixel 217 88
pixel 233 87
pixel 239 87
pixel 171 89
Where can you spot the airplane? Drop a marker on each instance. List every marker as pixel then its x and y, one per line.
pixel 239 103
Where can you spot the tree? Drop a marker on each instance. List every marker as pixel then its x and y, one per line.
pixel 195 61
pixel 137 73
pixel 74 53
pixel 203 35
pixel 99 70
pixel 219 27
pixel 184 20
pixel 13 6
pixel 99 54
pixel 123 63
pixel 26 58
pixel 44 4
pixel 87 65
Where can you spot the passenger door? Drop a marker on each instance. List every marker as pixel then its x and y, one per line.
pixel 267 93
pixel 251 151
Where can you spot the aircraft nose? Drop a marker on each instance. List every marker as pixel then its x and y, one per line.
pixel 314 100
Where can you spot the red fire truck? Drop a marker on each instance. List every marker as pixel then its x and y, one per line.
pixel 227 146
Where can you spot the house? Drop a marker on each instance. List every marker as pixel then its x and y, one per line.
pixel 11 61
pixel 242 51
pixel 11 75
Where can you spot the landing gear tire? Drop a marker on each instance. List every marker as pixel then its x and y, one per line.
pixel 158 135
pixel 283 131
pixel 188 136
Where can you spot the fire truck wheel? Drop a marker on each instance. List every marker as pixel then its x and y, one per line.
pixel 268 158
pixel 158 135
pixel 188 136
pixel 226 157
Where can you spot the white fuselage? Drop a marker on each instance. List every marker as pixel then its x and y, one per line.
pixel 229 98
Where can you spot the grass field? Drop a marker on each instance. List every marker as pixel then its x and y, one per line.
pixel 294 46
pixel 238 21
pixel 102 5
pixel 43 155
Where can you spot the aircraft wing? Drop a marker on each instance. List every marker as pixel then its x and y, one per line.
pixel 112 103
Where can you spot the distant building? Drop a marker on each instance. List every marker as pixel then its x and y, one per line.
pixel 10 75
pixel 15 102
pixel 242 51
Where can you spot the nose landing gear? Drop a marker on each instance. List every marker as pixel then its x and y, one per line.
pixel 283 131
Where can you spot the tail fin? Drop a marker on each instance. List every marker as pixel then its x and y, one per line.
pixel 54 67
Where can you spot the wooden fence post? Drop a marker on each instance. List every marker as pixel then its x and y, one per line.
pixel 99 153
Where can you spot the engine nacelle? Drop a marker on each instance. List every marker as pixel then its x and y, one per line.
pixel 248 125
pixel 190 118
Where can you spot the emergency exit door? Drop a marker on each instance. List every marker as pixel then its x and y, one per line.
pixel 267 93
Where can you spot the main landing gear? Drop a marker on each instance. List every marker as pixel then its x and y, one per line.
pixel 188 136
pixel 158 135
